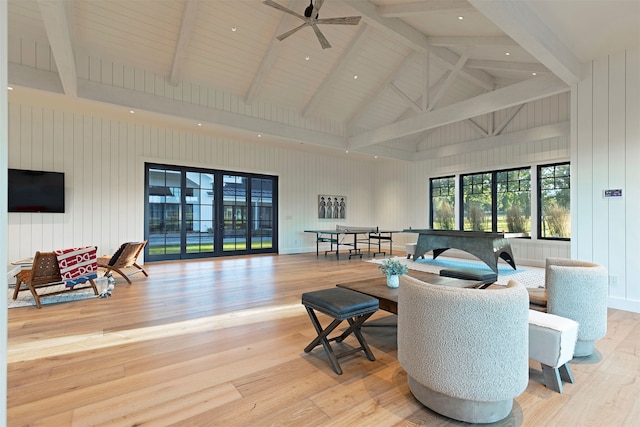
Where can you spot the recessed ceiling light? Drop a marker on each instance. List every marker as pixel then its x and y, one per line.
pixel 375 157
pixel 9 88
pixel 461 17
pixel 534 74
pixel 507 53
pixel 259 135
pixel 131 111
pixel 347 151
pixel 307 57
pixel 199 124
pixel 234 28
pixel 355 77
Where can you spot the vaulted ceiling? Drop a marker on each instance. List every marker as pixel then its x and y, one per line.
pixel 408 67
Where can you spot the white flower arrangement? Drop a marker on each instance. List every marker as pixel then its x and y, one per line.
pixel 392 267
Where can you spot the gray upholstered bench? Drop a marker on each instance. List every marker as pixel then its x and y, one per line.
pixel 340 304
pixel 552 340
pixel 484 276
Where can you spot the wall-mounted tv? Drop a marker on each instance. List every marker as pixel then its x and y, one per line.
pixel 35 191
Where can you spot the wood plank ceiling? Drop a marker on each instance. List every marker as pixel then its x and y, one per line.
pixel 420 64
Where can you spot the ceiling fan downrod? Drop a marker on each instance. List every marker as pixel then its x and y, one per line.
pixel 309 10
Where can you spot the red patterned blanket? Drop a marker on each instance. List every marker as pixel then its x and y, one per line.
pixel 77 265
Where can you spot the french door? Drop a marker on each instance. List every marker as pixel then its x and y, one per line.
pixel 193 213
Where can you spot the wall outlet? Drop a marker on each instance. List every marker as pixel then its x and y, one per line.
pixel 613 281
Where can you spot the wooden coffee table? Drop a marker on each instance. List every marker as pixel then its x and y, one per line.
pixel 388 297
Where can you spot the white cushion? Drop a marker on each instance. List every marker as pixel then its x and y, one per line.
pixel 552 338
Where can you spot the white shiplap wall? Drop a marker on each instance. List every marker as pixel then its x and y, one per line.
pixel 103 152
pixel 605 155
pixel 414 177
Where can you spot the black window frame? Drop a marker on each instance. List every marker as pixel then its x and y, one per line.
pixel 540 190
pixel 431 197
pixel 494 196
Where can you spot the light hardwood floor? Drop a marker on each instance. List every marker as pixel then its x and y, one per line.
pixel 220 342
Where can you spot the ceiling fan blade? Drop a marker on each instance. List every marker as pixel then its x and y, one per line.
pixel 316 8
pixel 321 38
pixel 288 33
pixel 284 9
pixel 346 20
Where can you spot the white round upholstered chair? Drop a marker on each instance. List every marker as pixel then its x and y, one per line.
pixel 465 351
pixel 578 290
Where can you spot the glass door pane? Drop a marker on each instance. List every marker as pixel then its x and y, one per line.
pixel 262 213
pixel 164 212
pixel 199 217
pixel 234 211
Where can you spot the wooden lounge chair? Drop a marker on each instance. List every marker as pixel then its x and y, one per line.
pixel 125 257
pixel 45 272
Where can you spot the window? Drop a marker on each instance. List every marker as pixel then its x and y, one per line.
pixel 554 201
pixel 513 200
pixel 443 199
pixel 477 202
pixel 194 213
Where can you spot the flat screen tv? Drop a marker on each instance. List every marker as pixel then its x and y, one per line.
pixel 35 191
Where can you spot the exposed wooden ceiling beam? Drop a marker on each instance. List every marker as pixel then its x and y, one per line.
pixel 529 90
pixel 417 41
pixel 405 98
pixel 270 56
pixel 372 99
pixel 335 73
pixel 525 67
pixel 189 14
pixel 451 41
pixel 58 31
pixel 448 82
pixel 519 22
pixel 235 123
pixel 514 110
pixel 405 9
pixel 554 130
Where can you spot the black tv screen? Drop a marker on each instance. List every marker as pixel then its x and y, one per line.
pixel 35 191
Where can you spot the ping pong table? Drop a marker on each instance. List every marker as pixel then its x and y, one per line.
pixel 351 236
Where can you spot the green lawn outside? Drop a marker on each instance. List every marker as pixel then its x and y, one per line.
pixel 229 246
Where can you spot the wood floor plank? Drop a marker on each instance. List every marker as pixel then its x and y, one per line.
pixel 220 342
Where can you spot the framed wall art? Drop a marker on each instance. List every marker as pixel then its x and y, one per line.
pixel 332 207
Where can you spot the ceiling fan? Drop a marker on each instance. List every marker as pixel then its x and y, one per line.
pixel 311 19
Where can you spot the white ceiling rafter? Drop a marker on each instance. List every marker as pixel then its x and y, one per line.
pixel 519 22
pixel 417 41
pixel 448 82
pixel 404 97
pixel 426 93
pixel 477 128
pixel 451 41
pixel 512 113
pixel 409 8
pixel 189 14
pixel 269 57
pixel 54 15
pixel 529 90
pixel 218 118
pixel 371 100
pixel 521 137
pixel 336 71
pixel 432 89
pixel 524 67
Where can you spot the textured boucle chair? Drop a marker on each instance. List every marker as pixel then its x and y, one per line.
pixel 578 290
pixel 465 351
